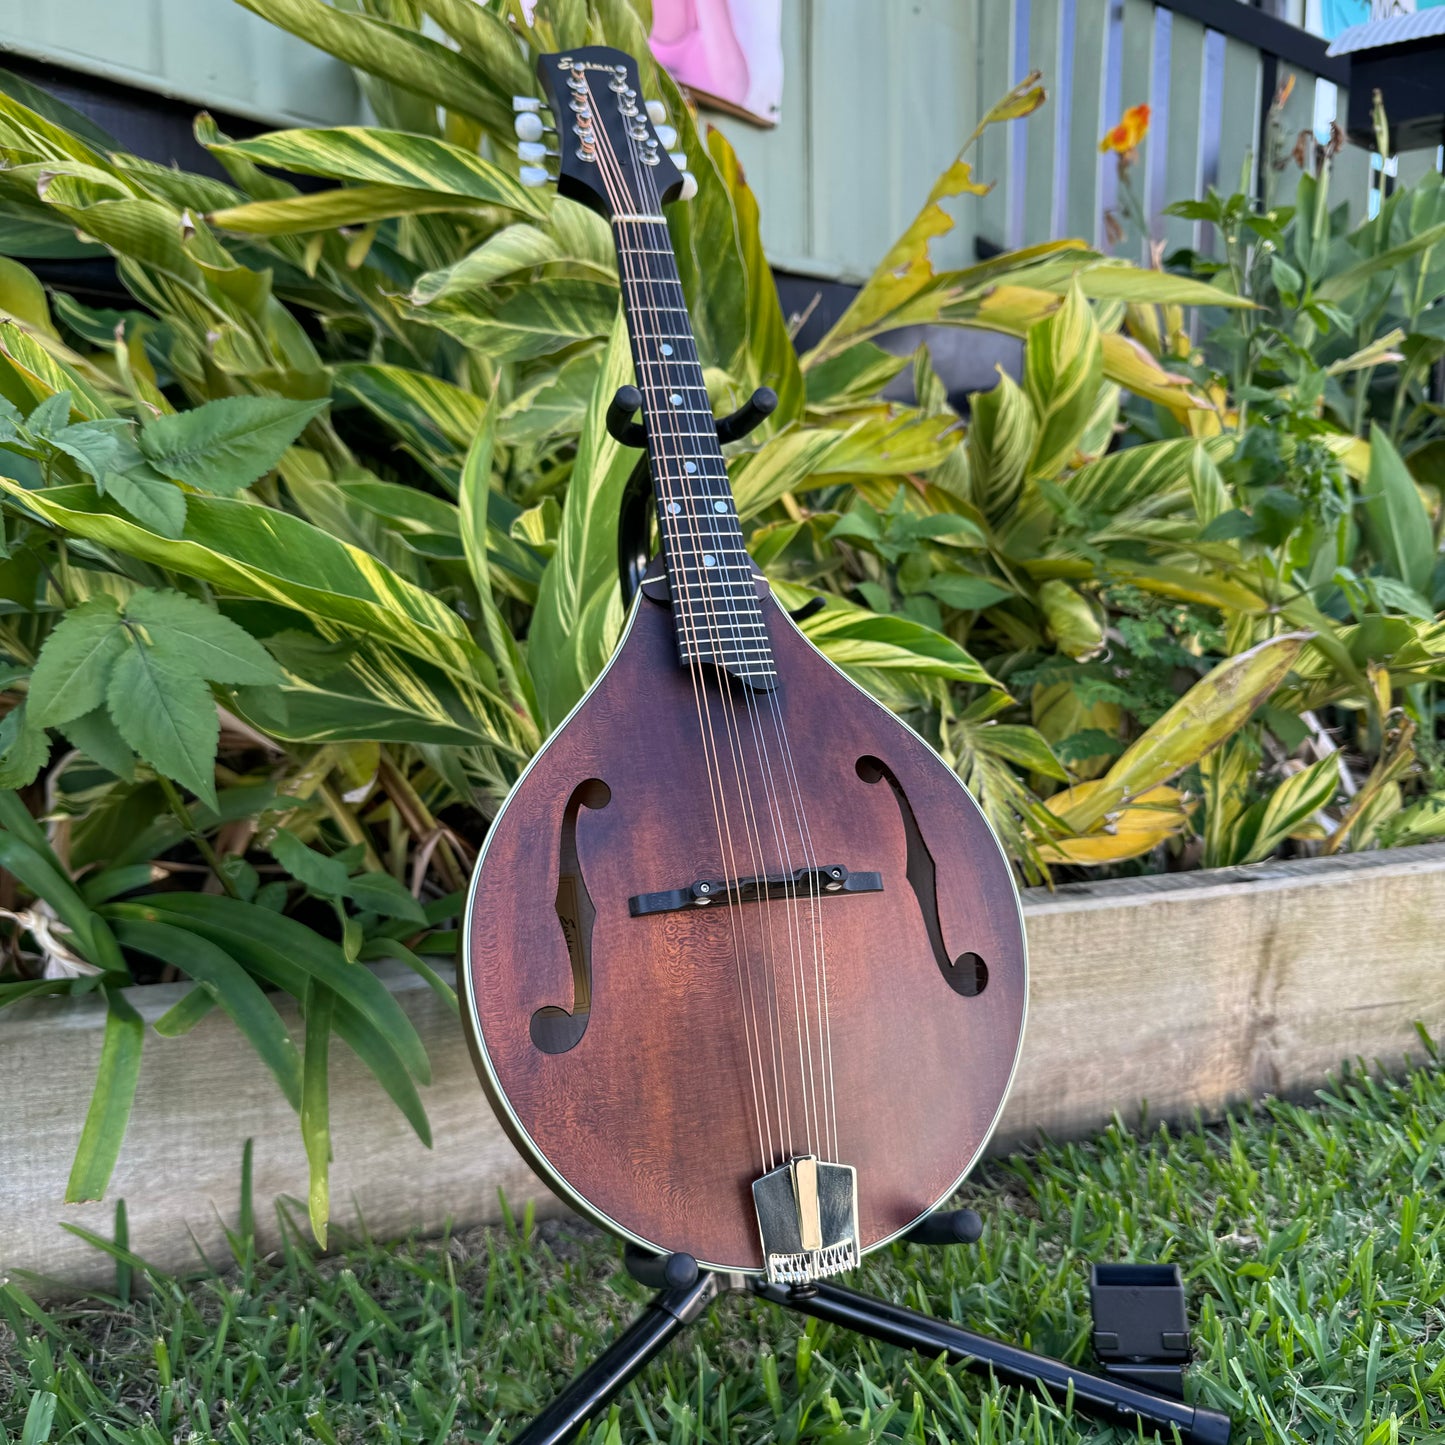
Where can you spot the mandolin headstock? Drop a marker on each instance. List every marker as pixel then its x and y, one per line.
pixel 611 147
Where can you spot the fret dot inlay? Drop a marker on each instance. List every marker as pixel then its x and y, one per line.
pixel 689 467
pixel 719 506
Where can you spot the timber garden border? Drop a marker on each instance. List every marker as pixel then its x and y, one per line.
pixel 1181 993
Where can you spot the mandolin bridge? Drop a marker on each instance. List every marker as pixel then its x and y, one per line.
pixel 808 1218
pixel 800 883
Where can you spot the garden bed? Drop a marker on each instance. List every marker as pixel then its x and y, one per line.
pixel 1188 991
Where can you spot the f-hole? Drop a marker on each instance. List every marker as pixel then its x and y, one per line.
pixel 968 973
pixel 554 1029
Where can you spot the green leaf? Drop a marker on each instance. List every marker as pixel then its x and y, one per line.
pixel 191 635
pixel 1343 283
pixel 97 737
pixel 316 1107
pixel 287 953
pixel 93 444
pixel 110 1101
pixel 50 416
pixel 166 714
pixel 381 893
pixel 225 445
pixel 150 499
pixel 967 593
pixel 24 748
pixel 39 1418
pixel 182 1017
pixel 375 948
pixel 224 980
pixel 323 875
pixel 75 663
pixel 1398 524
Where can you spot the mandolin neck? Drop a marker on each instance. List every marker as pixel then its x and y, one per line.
pixel 715 607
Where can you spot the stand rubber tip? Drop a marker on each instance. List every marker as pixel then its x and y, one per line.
pixel 1209 1428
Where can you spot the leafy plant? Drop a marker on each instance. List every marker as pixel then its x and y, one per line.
pixel 311 539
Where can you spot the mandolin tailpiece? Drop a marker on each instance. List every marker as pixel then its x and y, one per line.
pixel 808 1219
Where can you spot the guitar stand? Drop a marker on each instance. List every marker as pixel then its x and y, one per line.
pixel 1140 1337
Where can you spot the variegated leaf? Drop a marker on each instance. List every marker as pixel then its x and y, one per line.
pixel 413 61
pixel 388 158
pixel 1063 370
pixel 267 554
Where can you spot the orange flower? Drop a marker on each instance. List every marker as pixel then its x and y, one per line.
pixel 1126 136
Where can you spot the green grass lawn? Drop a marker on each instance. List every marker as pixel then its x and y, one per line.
pixel 1312 1240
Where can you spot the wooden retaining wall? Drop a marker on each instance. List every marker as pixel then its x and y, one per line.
pixel 1192 991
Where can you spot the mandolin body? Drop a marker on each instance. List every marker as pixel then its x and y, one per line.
pixel 635 1059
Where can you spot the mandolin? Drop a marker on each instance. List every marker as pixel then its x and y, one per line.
pixel 743 962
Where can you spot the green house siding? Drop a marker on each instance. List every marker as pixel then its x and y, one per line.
pixel 878 97
pixel 212 53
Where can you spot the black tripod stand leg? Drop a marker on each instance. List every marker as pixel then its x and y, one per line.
pixel 1106 1399
pixel 669 1311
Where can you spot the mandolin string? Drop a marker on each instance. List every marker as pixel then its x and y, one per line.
pixel 736 920
pixel 768 944
pixel 820 956
pixel 757 1065
pixel 817 1126
pixel 684 597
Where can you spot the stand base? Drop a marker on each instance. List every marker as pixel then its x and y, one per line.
pixel 676 1306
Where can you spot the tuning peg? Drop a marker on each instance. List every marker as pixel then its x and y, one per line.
pixel 678 159
pixel 656 112
pixel 533 152
pixel 529 126
pixel 533 176
pixel 666 135
pixel 689 185
pixel 522 103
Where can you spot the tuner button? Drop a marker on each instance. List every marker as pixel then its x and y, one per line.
pixel 678 159
pixel 526 103
pixel 529 126
pixel 533 176
pixel 689 185
pixel 531 151
pixel 667 135
pixel 656 112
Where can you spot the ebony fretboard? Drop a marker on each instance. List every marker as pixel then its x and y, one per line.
pixel 714 601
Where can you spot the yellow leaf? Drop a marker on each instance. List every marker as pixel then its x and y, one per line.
pixel 1142 824
pixel 1211 711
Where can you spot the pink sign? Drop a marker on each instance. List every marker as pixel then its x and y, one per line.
pixel 728 53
